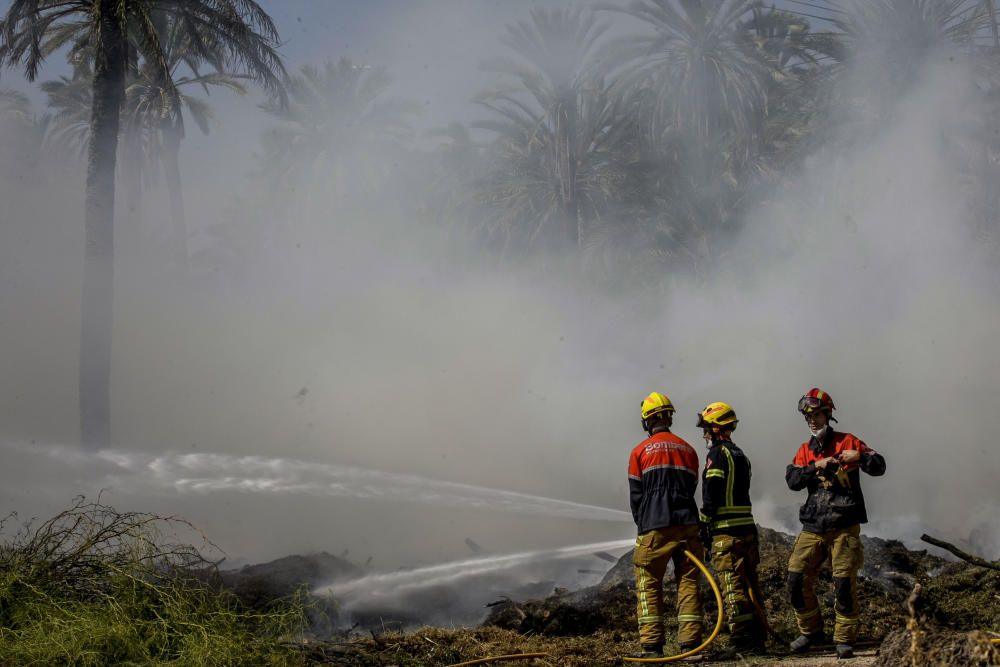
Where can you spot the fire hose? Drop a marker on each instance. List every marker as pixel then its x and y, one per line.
pixel 718 620
pixel 499 658
pixel 762 615
pixel 680 656
pixel 672 658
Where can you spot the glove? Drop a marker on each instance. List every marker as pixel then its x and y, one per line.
pixel 705 534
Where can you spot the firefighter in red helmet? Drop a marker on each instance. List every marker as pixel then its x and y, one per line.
pixel 828 466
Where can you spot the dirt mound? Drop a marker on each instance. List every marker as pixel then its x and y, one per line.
pixel 260 586
pixel 284 575
pixel 938 648
pixel 965 597
pixel 578 613
pixel 437 647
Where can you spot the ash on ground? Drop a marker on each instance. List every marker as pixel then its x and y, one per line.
pixel 962 601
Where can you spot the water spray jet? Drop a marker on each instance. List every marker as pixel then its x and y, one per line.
pixel 445 573
pixel 206 473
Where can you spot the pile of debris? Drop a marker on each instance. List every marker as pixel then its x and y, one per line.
pixel 965 597
pixel 596 624
pixel 258 587
pixel 937 647
pixel 924 642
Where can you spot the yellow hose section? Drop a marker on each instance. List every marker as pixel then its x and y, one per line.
pixel 672 658
pixel 762 614
pixel 498 658
pixel 718 620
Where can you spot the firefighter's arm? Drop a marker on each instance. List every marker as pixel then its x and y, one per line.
pixel 634 487
pixel 713 485
pixel 635 497
pixel 871 461
pixel 798 477
pixel 801 471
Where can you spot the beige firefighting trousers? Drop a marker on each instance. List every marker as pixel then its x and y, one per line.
pixel 843 547
pixel 735 559
pixel 653 550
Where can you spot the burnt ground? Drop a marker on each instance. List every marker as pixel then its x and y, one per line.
pixel 884 583
pixel 436 647
pixel 258 587
pixel 596 625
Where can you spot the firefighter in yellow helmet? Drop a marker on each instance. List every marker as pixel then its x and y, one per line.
pixel 662 479
pixel 727 516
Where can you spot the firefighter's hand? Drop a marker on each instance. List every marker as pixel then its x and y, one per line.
pixel 705 535
pixel 849 456
pixel 821 464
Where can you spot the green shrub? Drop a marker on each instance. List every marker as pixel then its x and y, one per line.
pixel 93 586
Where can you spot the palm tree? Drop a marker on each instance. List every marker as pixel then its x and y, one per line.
pixel 33 29
pixel 335 111
pixel 562 137
pixel 23 143
pixel 799 91
pixel 707 81
pixel 705 77
pixel 886 44
pixel 450 176
pixel 71 98
pixel 154 117
pixel 14 105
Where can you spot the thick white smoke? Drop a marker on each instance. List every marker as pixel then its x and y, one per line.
pixel 352 337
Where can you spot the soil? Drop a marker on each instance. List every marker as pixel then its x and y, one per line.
pixel 437 647
pixel 884 583
pixel 596 625
pixel 936 647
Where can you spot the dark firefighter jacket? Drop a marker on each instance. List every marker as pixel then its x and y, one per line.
pixel 725 490
pixel 662 478
pixel 835 499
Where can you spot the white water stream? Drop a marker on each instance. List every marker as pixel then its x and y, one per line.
pixel 451 572
pixel 207 473
pixel 187 474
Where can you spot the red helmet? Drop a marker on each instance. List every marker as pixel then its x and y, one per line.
pixel 816 399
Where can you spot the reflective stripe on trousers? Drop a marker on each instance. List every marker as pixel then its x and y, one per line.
pixel 735 559
pixel 811 550
pixel 653 550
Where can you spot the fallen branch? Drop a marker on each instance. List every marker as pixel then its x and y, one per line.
pixel 913 625
pixel 500 658
pixel 968 558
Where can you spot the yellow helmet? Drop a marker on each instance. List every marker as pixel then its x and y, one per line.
pixel 656 403
pixel 717 414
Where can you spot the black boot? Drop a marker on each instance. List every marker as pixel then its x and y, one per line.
pixel 690 646
pixel 651 651
pixel 739 647
pixel 751 645
pixel 803 643
pixel 844 651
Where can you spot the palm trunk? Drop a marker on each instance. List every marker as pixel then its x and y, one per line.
pixel 132 157
pixel 991 11
pixel 96 309
pixel 566 147
pixel 172 172
pixel 132 178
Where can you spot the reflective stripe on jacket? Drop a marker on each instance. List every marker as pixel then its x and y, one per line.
pixel 725 490
pixel 835 499
pixel 662 479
